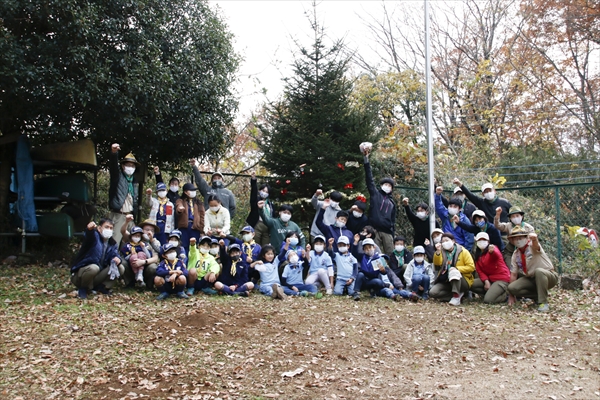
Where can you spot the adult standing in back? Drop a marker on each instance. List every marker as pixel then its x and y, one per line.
pixel 382 207
pixel 216 187
pixel 489 202
pixel 122 190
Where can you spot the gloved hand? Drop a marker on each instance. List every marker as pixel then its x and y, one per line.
pixel 113 271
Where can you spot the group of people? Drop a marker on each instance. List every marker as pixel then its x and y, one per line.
pixel 481 246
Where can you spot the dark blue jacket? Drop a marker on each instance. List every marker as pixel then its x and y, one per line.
pixel 241 270
pixel 91 251
pixel 491 230
pixel 331 231
pixel 382 207
pixel 163 269
pixel 365 264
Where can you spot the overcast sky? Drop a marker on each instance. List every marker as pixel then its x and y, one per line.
pixel 264 33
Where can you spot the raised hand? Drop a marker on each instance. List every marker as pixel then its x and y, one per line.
pixel 115 147
pixel 457 182
pixel 405 201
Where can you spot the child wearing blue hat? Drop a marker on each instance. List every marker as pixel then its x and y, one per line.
pixel 171 274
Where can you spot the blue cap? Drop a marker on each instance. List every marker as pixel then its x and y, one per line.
pixel 234 246
pixel 136 229
pixel 214 241
pixel 168 246
pixel 161 186
pixel 205 239
pixel 175 233
pixel 247 228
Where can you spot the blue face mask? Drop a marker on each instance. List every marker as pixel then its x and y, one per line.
pixel 481 223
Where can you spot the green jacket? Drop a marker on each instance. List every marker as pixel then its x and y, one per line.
pixel 279 229
pixel 204 263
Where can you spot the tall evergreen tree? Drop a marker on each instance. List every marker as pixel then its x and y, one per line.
pixel 312 134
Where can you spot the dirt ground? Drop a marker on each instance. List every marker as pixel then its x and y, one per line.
pixel 129 346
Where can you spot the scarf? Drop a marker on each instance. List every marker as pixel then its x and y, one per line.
pixel 162 203
pixel 129 180
pixel 171 267
pixel 449 258
pixel 233 267
pixel 248 247
pixel 524 259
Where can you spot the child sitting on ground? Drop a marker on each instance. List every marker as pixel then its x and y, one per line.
pixel 321 266
pixel 267 266
pixel 292 276
pixel 419 274
pixel 136 250
pixel 171 274
pixel 202 266
pixel 234 275
pixel 346 265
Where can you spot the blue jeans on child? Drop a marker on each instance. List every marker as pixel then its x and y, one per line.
pixel 421 280
pixel 339 286
pixel 267 290
pixel 362 282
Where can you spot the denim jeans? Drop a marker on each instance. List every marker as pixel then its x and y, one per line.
pixel 267 290
pixel 362 282
pixel 340 284
pixel 420 280
pixel 308 288
pixel 388 293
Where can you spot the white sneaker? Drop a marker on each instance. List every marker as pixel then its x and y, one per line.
pixel 455 301
pixel 329 291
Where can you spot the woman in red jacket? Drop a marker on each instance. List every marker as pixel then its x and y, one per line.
pixel 494 275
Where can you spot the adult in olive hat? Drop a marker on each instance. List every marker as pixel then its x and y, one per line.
pixel 531 271
pixel 515 216
pixel 123 188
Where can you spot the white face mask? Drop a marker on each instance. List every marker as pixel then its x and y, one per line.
pixel 490 195
pixel 192 194
pixel 174 242
pixel 174 188
pixel 339 224
pixel 285 217
pixel 517 219
pixel 294 241
pixel 520 243
pixel 203 250
pixel 319 248
pixel 453 210
pixel 215 209
pixel 247 237
pixel 399 248
pixel 387 188
pixel 357 214
pixel 214 251
pixel 437 239
pixel 342 249
pixel 294 260
pixel 333 204
pixel 129 170
pixel 482 244
pixel 171 256
pixel 419 260
pixel 263 195
pixel 421 214
pixel 162 194
pixel 448 245
pixel 107 233
pixel 136 239
pixel 370 252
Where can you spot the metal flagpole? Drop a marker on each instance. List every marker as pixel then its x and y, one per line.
pixel 428 123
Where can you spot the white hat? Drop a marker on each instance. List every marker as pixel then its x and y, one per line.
pixel 478 213
pixel 482 235
pixel 368 241
pixel 437 230
pixel 343 239
pixel 419 250
pixel 457 189
pixel 487 186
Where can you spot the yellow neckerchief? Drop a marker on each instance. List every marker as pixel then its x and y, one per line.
pixel 134 245
pixel 249 248
pixel 171 268
pixel 161 204
pixel 233 267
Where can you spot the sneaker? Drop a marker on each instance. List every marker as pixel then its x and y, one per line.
pixel 414 297
pixel 544 307
pixel 182 295
pixel 102 289
pixel 140 284
pixel 319 295
pixel 190 291
pixel 455 301
pixel 304 293
pixel 280 293
pixel 82 294
pixel 356 296
pixel 162 296
pixel 209 291
pixel 425 296
pixel 275 292
pixel 396 297
pixel 329 292
pixel 244 294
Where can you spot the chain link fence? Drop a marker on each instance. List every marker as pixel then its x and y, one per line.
pixel 551 209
